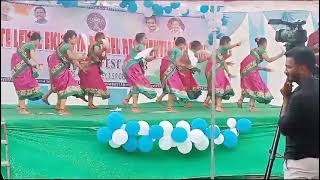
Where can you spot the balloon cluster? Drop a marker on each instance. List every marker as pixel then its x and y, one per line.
pixel 139 135
pixel 153 8
pixel 131 5
pixel 68 3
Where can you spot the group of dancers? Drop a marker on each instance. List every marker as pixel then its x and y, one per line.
pixel 176 73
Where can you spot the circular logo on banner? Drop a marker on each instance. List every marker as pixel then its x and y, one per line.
pixel 96 22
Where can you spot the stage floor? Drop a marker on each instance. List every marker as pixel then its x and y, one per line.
pixel 48 145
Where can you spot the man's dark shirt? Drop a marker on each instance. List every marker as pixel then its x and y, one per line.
pixel 300 124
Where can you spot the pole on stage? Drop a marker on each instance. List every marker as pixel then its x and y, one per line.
pixel 214 30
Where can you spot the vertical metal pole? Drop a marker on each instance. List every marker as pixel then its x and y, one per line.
pixel 213 85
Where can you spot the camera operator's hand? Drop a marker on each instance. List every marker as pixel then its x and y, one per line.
pixel 282 52
pixel 286 90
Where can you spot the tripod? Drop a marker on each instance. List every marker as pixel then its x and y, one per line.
pixel 273 151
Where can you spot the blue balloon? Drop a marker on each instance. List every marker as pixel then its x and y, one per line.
pixel 132 128
pixel 220 35
pixel 179 134
pixel 230 139
pixel 208 132
pixel 104 134
pixel 204 8
pixel 175 5
pixel 145 144
pixel 115 120
pixel 123 4
pixel 185 13
pixel 210 39
pixel 131 144
pixel 68 3
pixel 157 10
pixel 132 8
pixel 243 125
pixel 148 3
pixel 225 20
pixel 167 9
pixel 156 132
pixel 199 123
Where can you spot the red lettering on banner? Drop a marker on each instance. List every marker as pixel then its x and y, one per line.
pixel 131 43
pixel 3 34
pixel 47 42
pixel 55 40
pixel 15 38
pixel 125 46
pixel 80 44
pixel 8 38
pixel 22 37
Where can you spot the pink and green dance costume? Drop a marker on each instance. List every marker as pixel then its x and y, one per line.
pixel 223 88
pixel 189 82
pixel 252 85
pixel 90 80
pixel 135 76
pixel 61 77
pixel 169 75
pixel 24 79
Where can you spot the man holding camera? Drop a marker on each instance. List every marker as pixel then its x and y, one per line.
pixel 313 43
pixel 300 115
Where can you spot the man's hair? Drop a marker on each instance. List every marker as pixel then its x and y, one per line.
pixel 39 7
pixel 303 56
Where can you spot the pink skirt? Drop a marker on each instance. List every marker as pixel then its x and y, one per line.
pixel 136 78
pixel 62 81
pixel 171 81
pixel 252 85
pixel 223 87
pixel 25 84
pixel 92 83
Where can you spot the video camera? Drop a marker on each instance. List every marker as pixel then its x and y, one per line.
pixel 293 36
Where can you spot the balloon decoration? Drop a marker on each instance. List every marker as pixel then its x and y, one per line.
pixel 68 3
pixel 140 136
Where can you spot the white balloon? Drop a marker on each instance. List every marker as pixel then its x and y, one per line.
pixel 196 136
pixel 119 136
pixel 185 147
pixel 113 145
pixel 174 144
pixel 203 145
pixel 235 131
pixel 167 128
pixel 144 128
pixel 219 139
pixel 123 126
pixel 165 143
pixel 148 12
pixel 231 122
pixel 184 124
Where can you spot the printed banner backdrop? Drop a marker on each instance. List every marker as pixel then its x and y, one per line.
pixel 121 27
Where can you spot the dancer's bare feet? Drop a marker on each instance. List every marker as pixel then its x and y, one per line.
pixel 219 109
pixel 206 104
pixel 63 111
pixel 187 104
pixel 159 100
pixel 252 109
pixel 171 109
pixel 92 106
pixel 136 109
pixel 125 102
pixel 239 104
pixel 24 110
